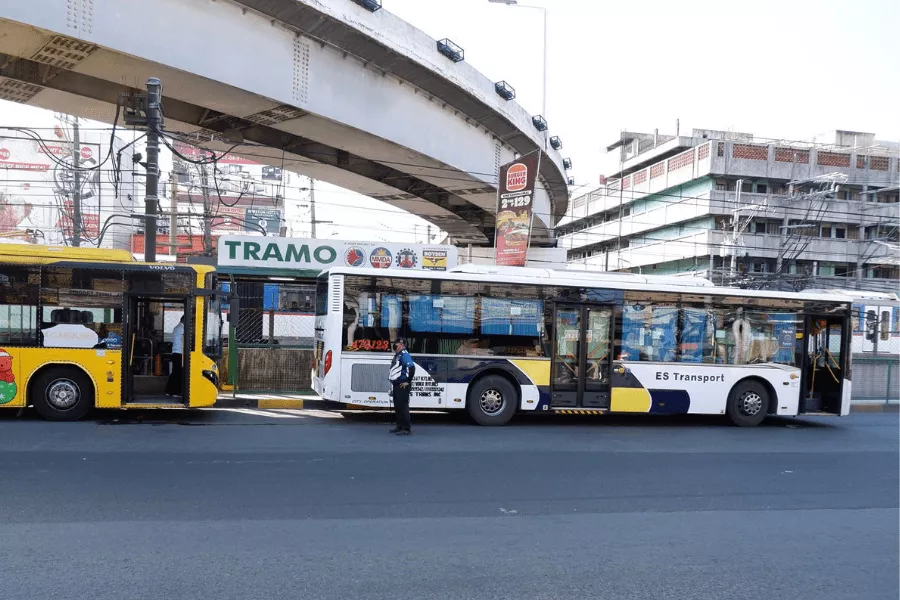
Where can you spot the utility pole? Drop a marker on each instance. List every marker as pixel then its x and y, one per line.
pixel 207 212
pixel 151 199
pixel 76 190
pixel 737 220
pixel 864 197
pixel 312 206
pixel 173 217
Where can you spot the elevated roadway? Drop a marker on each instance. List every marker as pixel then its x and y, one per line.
pixel 326 88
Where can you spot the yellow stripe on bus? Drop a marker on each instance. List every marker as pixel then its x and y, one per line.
pixel 636 400
pixel 538 371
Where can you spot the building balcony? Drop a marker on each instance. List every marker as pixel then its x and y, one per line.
pixel 733 159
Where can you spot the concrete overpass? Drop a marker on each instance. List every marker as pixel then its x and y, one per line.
pixel 359 99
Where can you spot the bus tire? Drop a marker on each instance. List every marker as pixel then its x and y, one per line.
pixel 62 394
pixel 748 403
pixel 492 400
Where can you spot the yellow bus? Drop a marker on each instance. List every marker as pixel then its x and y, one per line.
pixel 84 327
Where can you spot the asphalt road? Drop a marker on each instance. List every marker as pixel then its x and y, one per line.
pixel 301 504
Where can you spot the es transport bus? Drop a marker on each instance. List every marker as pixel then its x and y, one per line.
pixel 495 341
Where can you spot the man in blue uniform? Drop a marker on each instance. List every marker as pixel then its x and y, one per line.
pixel 403 369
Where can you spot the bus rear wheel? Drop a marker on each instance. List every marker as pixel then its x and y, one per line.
pixel 748 404
pixel 62 394
pixel 492 400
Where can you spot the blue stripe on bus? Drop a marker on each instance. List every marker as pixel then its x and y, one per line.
pixel 669 402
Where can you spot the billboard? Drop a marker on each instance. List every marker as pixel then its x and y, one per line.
pixel 38 187
pixel 515 204
pixel 314 254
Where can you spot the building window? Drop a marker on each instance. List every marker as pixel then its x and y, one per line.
pixel 759 226
pixel 761 188
pixel 773 227
pixel 840 232
pixel 852 233
pixel 747 187
pixel 844 271
pixel 721 186
pixel 826 231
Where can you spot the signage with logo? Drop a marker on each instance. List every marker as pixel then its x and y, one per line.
pixel 434 260
pixel 227 218
pixel 266 221
pixel 515 209
pixel 380 258
pixel 305 253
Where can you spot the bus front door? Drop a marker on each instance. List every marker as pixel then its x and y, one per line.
pixel 149 324
pixel 582 350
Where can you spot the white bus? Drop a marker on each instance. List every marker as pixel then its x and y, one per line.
pixel 494 341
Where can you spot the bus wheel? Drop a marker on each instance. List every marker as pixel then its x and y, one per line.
pixel 748 404
pixel 62 394
pixel 492 401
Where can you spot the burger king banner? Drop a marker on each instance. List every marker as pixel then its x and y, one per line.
pixel 514 209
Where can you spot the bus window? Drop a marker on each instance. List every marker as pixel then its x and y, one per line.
pixel 697 340
pixel 760 337
pixel 19 291
pixel 81 308
pixel 648 331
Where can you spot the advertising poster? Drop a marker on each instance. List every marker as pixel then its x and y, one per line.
pixel 515 209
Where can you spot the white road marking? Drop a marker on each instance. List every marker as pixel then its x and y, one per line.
pixel 258 413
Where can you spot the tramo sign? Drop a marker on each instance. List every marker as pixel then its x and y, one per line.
pixel 312 254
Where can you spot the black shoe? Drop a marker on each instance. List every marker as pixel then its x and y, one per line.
pixel 396 430
pixel 404 432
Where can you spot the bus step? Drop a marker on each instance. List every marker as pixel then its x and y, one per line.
pixel 580 411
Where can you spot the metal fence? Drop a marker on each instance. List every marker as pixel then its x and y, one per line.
pixel 875 379
pixel 273 336
pixel 273 315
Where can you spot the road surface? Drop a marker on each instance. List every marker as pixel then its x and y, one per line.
pixel 267 504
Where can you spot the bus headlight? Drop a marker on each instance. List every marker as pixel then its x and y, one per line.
pixel 211 376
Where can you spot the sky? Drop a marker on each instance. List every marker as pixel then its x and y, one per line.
pixel 789 69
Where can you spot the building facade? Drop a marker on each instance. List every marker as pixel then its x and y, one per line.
pixel 744 211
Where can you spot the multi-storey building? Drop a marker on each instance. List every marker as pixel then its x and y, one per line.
pixel 746 211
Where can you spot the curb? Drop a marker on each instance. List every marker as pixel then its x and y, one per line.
pixel 875 408
pixel 265 401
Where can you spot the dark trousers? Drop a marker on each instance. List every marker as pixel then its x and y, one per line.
pixel 173 385
pixel 401 407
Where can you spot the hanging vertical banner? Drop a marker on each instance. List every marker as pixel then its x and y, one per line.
pixel 515 209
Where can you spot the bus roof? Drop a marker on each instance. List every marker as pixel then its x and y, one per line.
pixel 38 254
pixel 603 280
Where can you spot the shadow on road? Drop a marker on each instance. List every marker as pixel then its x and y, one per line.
pixel 608 420
pixel 200 418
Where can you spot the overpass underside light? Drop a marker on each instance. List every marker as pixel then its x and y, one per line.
pixel 369 5
pixel 555 142
pixel 567 163
pixel 504 90
pixel 451 50
pixel 539 122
